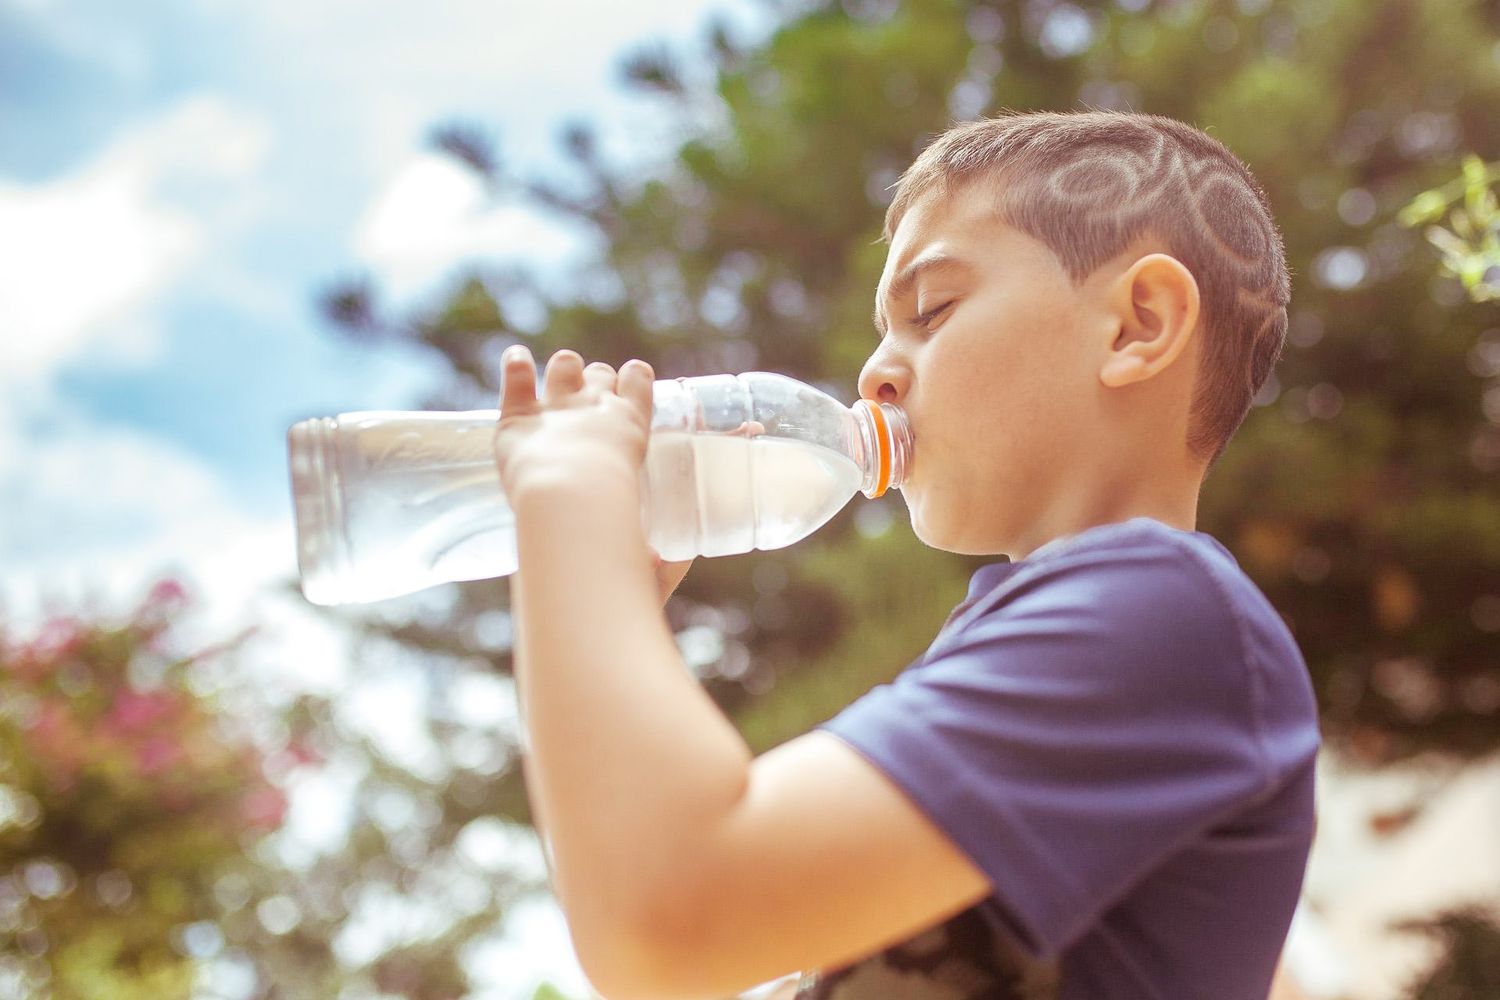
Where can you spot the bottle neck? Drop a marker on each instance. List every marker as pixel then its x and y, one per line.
pixel 884 450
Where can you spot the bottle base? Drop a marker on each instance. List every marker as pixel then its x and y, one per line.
pixel 318 510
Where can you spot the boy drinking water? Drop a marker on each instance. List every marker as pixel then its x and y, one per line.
pixel 1098 780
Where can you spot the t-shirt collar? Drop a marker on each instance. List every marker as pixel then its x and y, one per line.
pixel 991 575
pixel 988 577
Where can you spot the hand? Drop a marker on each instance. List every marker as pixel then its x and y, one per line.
pixel 588 426
pixel 669 575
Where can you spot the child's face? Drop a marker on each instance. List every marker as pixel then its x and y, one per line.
pixel 1000 380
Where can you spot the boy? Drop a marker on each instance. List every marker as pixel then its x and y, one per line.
pixel 1097 782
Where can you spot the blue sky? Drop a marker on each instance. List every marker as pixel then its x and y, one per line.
pixel 178 179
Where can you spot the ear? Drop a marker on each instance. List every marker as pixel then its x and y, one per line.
pixel 1153 306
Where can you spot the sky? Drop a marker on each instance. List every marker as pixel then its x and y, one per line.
pixel 178 180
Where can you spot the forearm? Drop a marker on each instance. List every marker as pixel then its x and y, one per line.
pixel 630 761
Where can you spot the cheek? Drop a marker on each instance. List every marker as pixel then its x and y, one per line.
pixel 1043 380
pixel 1007 417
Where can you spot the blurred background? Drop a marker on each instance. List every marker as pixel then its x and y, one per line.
pixel 219 218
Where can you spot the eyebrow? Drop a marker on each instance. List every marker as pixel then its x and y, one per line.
pixel 906 279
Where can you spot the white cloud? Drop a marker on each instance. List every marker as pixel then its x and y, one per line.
pixel 434 213
pixel 87 252
pixel 522 66
pixel 95 514
pixel 519 69
pixel 101 512
pixel 90 41
pixel 32 7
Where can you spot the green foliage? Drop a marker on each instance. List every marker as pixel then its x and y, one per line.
pixel 142 794
pixel 125 793
pixel 900 585
pixel 1360 493
pixel 1470 248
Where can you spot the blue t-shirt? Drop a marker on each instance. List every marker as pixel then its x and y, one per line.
pixel 1120 731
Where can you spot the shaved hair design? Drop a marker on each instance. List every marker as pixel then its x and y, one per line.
pixel 1091 185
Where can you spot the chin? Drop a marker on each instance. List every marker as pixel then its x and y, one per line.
pixel 934 536
pixel 959 538
pixel 918 523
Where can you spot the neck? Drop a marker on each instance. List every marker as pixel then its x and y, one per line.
pixel 1168 495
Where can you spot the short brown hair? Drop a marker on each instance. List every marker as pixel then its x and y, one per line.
pixel 1088 184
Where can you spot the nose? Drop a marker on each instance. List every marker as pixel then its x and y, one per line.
pixel 884 378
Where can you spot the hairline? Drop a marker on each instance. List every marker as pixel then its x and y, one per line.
pixel 948 186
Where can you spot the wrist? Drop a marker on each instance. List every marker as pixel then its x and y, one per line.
pixel 564 518
pixel 605 481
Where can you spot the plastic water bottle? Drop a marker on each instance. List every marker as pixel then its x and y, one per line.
pixel 389 502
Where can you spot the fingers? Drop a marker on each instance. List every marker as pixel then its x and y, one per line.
pixel 600 377
pixel 634 384
pixel 517 381
pixel 564 376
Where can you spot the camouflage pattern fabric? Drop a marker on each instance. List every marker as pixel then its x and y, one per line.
pixel 962 959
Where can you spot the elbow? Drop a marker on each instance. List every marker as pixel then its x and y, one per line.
pixel 611 948
pixel 647 957
pixel 632 974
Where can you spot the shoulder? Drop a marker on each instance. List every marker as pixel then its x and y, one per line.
pixel 1137 578
pixel 1147 616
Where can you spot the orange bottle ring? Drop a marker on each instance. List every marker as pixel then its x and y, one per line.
pixel 883 437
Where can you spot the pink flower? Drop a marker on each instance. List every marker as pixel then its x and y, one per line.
pixel 55 740
pixel 57 640
pixel 168 593
pixel 132 712
pixel 158 754
pixel 304 753
pixel 50 721
pixel 60 636
pixel 264 808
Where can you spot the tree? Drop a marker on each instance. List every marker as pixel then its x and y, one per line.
pixel 143 792
pixel 128 797
pixel 1471 248
pixel 1360 493
pixel 1372 525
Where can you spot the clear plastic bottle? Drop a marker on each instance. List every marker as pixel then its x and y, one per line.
pixel 388 502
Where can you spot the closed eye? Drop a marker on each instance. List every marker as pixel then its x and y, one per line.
pixel 926 318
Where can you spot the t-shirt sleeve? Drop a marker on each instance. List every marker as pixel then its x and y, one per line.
pixel 1072 738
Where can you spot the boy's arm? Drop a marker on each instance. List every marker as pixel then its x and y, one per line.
pixel 629 759
pixel 685 868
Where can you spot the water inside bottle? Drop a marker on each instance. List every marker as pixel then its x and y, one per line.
pixel 718 494
pixel 710 494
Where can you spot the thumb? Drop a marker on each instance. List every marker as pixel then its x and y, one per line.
pixel 517 382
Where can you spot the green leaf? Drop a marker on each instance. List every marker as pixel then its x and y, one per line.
pixel 1475 173
pixel 1461 223
pixel 1449 244
pixel 1425 207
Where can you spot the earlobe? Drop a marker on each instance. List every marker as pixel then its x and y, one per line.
pixel 1153 313
pixel 1122 369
